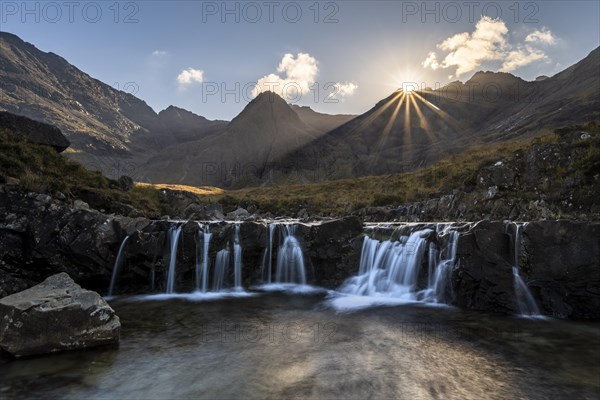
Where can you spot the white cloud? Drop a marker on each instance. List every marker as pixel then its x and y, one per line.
pixel 345 89
pixel 295 76
pixel 488 42
pixel 543 36
pixel 299 73
pixel 431 61
pixel 190 76
pixel 469 50
pixel 521 57
pixel 159 53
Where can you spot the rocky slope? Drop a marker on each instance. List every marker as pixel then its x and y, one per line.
pixel 321 122
pixel 266 129
pixel 407 131
pixel 105 125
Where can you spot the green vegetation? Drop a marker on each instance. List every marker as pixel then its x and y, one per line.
pixel 456 172
pixel 567 165
pixel 41 169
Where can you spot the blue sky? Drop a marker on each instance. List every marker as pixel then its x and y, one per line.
pixel 361 50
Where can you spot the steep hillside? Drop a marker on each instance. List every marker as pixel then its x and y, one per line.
pixel 265 130
pixel 409 130
pixel 105 126
pixel 319 121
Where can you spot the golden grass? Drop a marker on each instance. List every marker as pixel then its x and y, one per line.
pixel 200 190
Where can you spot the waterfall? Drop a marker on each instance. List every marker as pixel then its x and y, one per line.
pixel 267 264
pixel 174 233
pixel 440 266
pixel 221 269
pixel 390 269
pixel 237 258
pixel 290 260
pixel 117 266
pixel 524 299
pixel 202 261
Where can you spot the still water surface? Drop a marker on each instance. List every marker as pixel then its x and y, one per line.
pixel 274 345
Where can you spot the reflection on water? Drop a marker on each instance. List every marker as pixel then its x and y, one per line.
pixel 275 345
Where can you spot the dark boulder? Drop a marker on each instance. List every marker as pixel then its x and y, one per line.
pixel 53 316
pixel 34 131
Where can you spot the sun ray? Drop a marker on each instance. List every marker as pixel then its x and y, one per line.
pixel 388 128
pixel 456 125
pixel 407 153
pixel 424 123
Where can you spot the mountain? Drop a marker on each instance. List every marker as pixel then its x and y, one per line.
pixel 408 130
pixel 179 126
pixel 105 125
pixel 319 121
pixel 264 131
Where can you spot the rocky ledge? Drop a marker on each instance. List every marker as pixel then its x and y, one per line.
pixel 40 236
pixel 53 316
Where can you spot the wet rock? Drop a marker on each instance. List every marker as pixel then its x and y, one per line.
pixel 53 316
pixel 80 205
pixel 302 214
pixel 563 266
pixel 238 214
pixel 484 279
pixel 492 192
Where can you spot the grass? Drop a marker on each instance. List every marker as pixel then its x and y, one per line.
pixel 200 190
pixel 456 172
pixel 41 169
pixel 347 195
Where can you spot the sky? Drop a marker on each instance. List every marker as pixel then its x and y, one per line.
pixel 339 57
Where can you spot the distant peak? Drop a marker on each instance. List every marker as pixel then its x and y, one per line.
pixel 267 95
pixel 490 76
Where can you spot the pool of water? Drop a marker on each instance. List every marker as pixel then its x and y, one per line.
pixel 276 345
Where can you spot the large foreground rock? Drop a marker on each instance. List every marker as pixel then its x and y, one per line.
pixel 53 316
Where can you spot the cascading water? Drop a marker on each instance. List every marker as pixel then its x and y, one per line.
pixel 174 234
pixel 237 258
pixel 290 260
pixel 441 263
pixel 221 269
pixel 267 264
pixel 202 260
pixel 390 269
pixel 117 266
pixel 524 299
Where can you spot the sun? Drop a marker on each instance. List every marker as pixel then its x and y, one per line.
pixel 407 80
pixel 409 87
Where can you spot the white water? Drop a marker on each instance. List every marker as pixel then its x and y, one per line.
pixel 440 265
pixel 290 259
pixel 524 299
pixel 221 269
pixel 174 234
pixel 117 266
pixel 267 264
pixel 202 258
pixel 237 258
pixel 389 270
